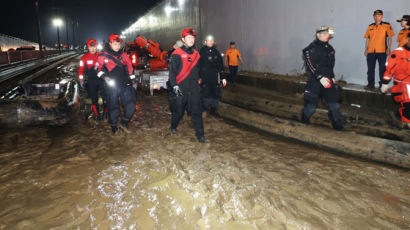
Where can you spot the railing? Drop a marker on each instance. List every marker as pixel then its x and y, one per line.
pixel 19 56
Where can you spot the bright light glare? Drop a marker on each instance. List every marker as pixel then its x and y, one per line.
pixel 181 3
pixel 111 83
pixel 209 38
pixel 152 19
pixel 99 47
pixel 168 10
pixel 64 81
pixel 57 22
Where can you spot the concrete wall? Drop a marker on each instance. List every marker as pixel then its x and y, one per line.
pixel 7 42
pixel 165 26
pixel 271 33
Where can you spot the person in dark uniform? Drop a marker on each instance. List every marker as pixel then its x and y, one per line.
pixel 211 70
pixel 184 77
pixel 115 68
pixel 87 68
pixel 319 59
pixel 171 96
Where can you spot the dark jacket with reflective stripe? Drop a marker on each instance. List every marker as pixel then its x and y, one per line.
pixel 175 66
pixel 319 59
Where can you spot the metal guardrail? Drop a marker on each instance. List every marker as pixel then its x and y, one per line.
pixel 20 69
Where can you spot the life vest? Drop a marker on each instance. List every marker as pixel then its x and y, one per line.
pixel 188 63
pixel 87 64
pixel 398 65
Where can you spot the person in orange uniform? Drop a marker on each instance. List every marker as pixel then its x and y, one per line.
pixel 376 50
pixel 402 36
pixel 398 66
pixel 231 59
pixel 88 65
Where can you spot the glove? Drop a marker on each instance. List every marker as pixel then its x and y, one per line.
pixel 101 74
pixel 133 79
pixel 326 82
pixel 177 91
pixel 82 84
pixel 223 82
pixel 384 88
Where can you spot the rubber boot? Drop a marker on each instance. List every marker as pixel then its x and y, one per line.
pixel 338 125
pixel 124 126
pixel 96 112
pixel 105 113
pixel 201 139
pixel 212 111
pixel 114 129
pixel 304 119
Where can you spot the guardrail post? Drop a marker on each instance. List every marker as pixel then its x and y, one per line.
pixel 8 58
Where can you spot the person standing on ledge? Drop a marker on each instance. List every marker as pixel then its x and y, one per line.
pixel 319 59
pixel 377 35
pixel 402 36
pixel 231 59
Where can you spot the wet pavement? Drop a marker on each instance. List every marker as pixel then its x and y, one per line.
pixel 80 176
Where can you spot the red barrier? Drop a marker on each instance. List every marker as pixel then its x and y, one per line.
pixel 18 56
pixel 4 58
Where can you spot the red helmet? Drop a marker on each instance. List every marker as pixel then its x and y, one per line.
pixel 92 42
pixel 115 38
pixel 188 31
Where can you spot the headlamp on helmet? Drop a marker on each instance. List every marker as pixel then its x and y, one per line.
pixel 325 30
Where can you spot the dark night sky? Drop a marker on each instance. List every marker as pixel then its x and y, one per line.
pixel 97 19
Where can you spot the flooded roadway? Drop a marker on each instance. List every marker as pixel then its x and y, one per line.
pixel 82 177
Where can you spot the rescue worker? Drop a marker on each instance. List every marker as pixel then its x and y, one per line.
pixel 116 69
pixel 211 70
pixel 398 66
pixel 231 59
pixel 183 77
pixel 402 36
pixel 319 59
pixel 88 63
pixel 377 35
pixel 171 96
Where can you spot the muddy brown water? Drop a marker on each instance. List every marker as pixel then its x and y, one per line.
pixel 82 177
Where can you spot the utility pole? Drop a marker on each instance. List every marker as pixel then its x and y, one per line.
pixel 66 30
pixel 40 44
pixel 73 40
pixel 78 31
pixel 58 38
pixel 58 22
